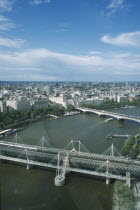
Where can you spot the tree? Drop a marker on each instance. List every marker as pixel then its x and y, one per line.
pixel 70 108
pixel 128 147
pixel 134 153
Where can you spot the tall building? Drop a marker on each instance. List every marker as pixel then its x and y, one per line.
pixel 48 89
pixel 3 106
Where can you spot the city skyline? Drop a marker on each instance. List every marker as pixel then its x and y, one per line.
pixel 50 40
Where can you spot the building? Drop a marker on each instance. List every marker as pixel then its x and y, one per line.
pixel 48 89
pixel 122 99
pixel 20 104
pixel 59 100
pixel 89 101
pixel 3 106
pixel 40 104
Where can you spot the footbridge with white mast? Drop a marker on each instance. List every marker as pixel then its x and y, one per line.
pixel 73 158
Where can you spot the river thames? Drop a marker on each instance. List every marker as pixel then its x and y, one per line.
pixel 23 189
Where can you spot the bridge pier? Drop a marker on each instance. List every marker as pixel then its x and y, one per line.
pixel 120 119
pixel 128 179
pixel 28 166
pixel 59 180
pixel 101 115
pixel 107 180
pixel 60 174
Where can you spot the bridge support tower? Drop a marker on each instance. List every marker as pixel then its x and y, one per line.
pixel 128 179
pixel 60 173
pixel 28 165
pixel 107 172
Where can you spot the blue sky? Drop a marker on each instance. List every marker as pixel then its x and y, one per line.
pixel 70 40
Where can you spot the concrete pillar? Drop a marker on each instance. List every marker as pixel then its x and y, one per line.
pixel 59 180
pixel 107 180
pixel 120 119
pixel 128 179
pixel 28 166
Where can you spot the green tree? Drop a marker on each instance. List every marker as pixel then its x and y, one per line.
pixel 70 108
pixel 134 153
pixel 128 147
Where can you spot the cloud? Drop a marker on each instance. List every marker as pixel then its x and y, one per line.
pixel 125 39
pixel 114 6
pixel 33 77
pixel 12 43
pixel 6 5
pixel 38 2
pixel 63 27
pixel 94 52
pixel 23 76
pixel 60 66
pixel 6 24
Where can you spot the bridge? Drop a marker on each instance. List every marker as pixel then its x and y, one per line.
pixel 102 113
pixel 109 164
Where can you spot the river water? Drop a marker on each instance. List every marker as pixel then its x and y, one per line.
pixel 23 189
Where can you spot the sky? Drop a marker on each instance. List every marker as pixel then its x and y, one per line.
pixel 70 40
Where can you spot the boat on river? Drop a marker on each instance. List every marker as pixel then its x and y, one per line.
pixel 9 132
pixel 70 114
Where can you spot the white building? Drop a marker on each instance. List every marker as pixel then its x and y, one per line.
pixel 59 100
pixel 21 104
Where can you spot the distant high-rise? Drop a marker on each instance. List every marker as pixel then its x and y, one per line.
pixel 3 106
pixel 48 89
pixel 127 84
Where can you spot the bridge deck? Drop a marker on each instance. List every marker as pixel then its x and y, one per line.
pixel 55 151
pixel 86 163
pixel 83 171
pixel 111 114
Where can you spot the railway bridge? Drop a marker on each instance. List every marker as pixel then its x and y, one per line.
pixel 109 164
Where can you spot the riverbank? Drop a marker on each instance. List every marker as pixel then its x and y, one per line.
pixel 131 147
pixel 31 120
pixel 15 118
pixel 123 197
pixel 37 118
pixel 111 104
pixel 136 190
